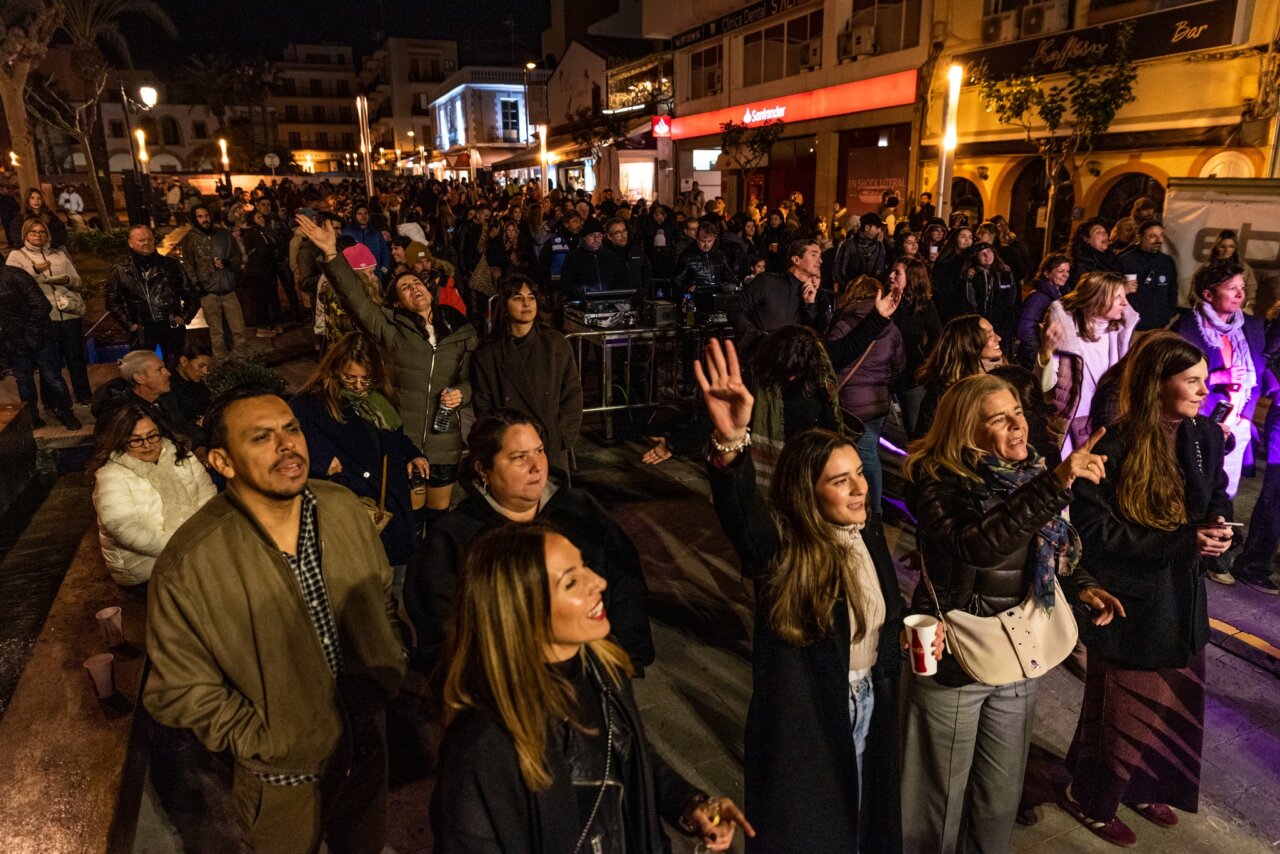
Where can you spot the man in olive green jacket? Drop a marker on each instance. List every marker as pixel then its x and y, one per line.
pixel 270 635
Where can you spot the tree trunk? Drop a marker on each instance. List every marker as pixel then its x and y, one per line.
pixel 97 140
pixel 15 111
pixel 1051 169
pixel 95 186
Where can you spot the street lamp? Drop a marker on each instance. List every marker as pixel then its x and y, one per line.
pixel 226 163
pixel 946 160
pixel 144 159
pixel 149 96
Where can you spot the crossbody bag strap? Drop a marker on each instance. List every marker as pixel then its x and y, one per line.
pixel 858 364
pixel 933 594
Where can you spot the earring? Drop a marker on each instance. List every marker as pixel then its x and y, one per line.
pixel 484 486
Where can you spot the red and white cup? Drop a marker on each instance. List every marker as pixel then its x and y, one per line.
pixel 921 630
pixel 101 670
pixel 111 621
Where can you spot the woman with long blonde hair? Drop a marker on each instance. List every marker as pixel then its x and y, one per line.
pixel 991 534
pixel 1146 530
pixel 544 751
pixel 821 740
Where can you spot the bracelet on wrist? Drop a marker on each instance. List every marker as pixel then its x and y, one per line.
pixel 733 447
pixel 690 805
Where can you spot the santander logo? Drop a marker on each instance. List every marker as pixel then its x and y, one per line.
pixel 764 114
pixel 661 127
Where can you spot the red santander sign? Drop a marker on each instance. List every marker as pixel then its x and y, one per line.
pixel 889 90
pixel 661 126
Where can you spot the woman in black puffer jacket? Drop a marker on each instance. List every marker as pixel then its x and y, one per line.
pixel 989 527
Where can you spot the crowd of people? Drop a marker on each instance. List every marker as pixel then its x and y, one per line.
pixel 1075 442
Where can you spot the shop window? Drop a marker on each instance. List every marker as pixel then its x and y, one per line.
pixel 888 25
pixel 635 179
pixel 706 72
pixel 782 50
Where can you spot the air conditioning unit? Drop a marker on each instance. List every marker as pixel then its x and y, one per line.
pixel 855 42
pixel 1041 19
pixel 715 81
pixel 812 55
pixel 1000 28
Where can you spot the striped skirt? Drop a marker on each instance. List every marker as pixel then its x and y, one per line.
pixel 1139 738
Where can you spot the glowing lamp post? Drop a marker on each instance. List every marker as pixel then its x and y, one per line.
pixel 946 161
pixel 226 163
pixel 144 159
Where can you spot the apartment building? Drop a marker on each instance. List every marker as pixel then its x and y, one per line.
pixel 401 78
pixel 315 108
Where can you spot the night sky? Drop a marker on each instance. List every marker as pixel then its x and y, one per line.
pixel 263 27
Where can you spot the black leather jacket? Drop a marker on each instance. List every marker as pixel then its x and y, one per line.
pixel 24 312
pixel 134 297
pixel 705 271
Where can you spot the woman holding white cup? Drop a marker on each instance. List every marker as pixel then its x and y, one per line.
pixel 988 523
pixel 822 763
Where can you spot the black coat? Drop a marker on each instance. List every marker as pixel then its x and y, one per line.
pixel 537 377
pixel 432 576
pixel 1156 299
pixel 1155 574
pixel 134 296
pixel 359 447
pixel 24 312
pixel 586 272
pixel 481 806
pixel 801 775
pixel 771 301
pixel 975 545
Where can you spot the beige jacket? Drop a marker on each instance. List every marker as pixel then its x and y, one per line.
pixel 234 655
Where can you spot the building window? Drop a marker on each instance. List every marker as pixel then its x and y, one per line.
pixel 117 129
pixel 318 58
pixel 322 139
pixel 170 133
pixel 200 130
pixel 344 88
pixel 782 50
pixel 510 115
pixel 290 112
pixel 317 114
pixel 706 72
pixel 317 88
pixel 295 139
pixel 348 140
pixel 288 86
pixel 887 25
pixel 344 115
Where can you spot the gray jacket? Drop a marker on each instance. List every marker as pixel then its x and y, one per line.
pixel 197 252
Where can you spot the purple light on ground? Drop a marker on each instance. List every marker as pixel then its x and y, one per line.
pixel 885 443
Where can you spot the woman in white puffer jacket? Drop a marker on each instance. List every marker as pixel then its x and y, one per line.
pixel 146 486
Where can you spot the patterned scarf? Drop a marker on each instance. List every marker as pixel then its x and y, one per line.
pixel 374 408
pixel 1214 331
pixel 1055 548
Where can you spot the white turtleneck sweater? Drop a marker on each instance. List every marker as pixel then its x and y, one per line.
pixel 862 653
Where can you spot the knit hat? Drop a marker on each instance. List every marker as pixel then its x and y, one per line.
pixel 416 252
pixel 870 218
pixel 359 257
pixel 591 226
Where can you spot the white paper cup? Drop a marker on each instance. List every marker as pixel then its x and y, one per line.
pixel 921 630
pixel 111 621
pixel 101 670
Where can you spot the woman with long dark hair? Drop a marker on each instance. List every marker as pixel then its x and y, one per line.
pixel 34 206
pixel 348 415
pixel 991 536
pixel 544 750
pixel 949 292
pixel 968 345
pixel 1089 251
pixel 821 739
pixel 146 484
pixel 992 291
pixel 921 327
pixel 1145 531
pixel 527 366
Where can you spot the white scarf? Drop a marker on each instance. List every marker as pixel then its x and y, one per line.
pixel 1214 330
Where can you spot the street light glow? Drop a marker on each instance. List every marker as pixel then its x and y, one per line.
pixel 149 96
pixel 530 65
pixel 141 136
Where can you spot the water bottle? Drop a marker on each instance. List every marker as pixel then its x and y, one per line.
pixel 690 312
pixel 444 417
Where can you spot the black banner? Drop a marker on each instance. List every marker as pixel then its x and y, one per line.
pixel 753 14
pixel 1179 30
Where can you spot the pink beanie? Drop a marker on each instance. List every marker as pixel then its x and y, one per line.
pixel 359 257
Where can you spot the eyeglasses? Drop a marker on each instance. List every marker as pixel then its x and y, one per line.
pixel 357 382
pixel 142 441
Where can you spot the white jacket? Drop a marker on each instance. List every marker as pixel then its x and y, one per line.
pixel 64 302
pixel 141 504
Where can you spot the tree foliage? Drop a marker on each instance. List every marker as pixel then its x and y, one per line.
pixel 26 29
pixel 747 146
pixel 596 131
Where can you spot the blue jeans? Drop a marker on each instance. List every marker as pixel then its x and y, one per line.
pixel 862 700
pixel 869 452
pixel 48 362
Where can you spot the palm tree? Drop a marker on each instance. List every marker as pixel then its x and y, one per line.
pixel 26 28
pixel 92 26
pixel 210 79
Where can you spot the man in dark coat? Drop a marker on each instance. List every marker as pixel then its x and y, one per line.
pixel 771 301
pixel 703 267
pixel 1156 299
pixel 150 296
pixel 590 269
pixel 632 254
pixel 864 252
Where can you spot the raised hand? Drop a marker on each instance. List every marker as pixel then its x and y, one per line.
pixel 325 238
pixel 1084 463
pixel 728 401
pixel 887 301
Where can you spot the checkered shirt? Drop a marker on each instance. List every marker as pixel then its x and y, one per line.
pixel 306 569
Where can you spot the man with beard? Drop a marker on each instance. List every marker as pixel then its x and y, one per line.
pixel 1156 297
pixel 211 258
pixel 269 628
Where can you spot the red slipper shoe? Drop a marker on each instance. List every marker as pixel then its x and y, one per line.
pixel 1156 813
pixel 1115 831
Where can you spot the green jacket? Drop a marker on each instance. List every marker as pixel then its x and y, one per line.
pixel 233 652
pixel 420 371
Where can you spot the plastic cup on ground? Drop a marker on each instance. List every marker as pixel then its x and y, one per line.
pixel 101 670
pixel 921 630
pixel 111 621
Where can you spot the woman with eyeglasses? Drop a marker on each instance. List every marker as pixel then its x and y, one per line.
pixel 348 415
pixel 34 206
pixel 146 485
